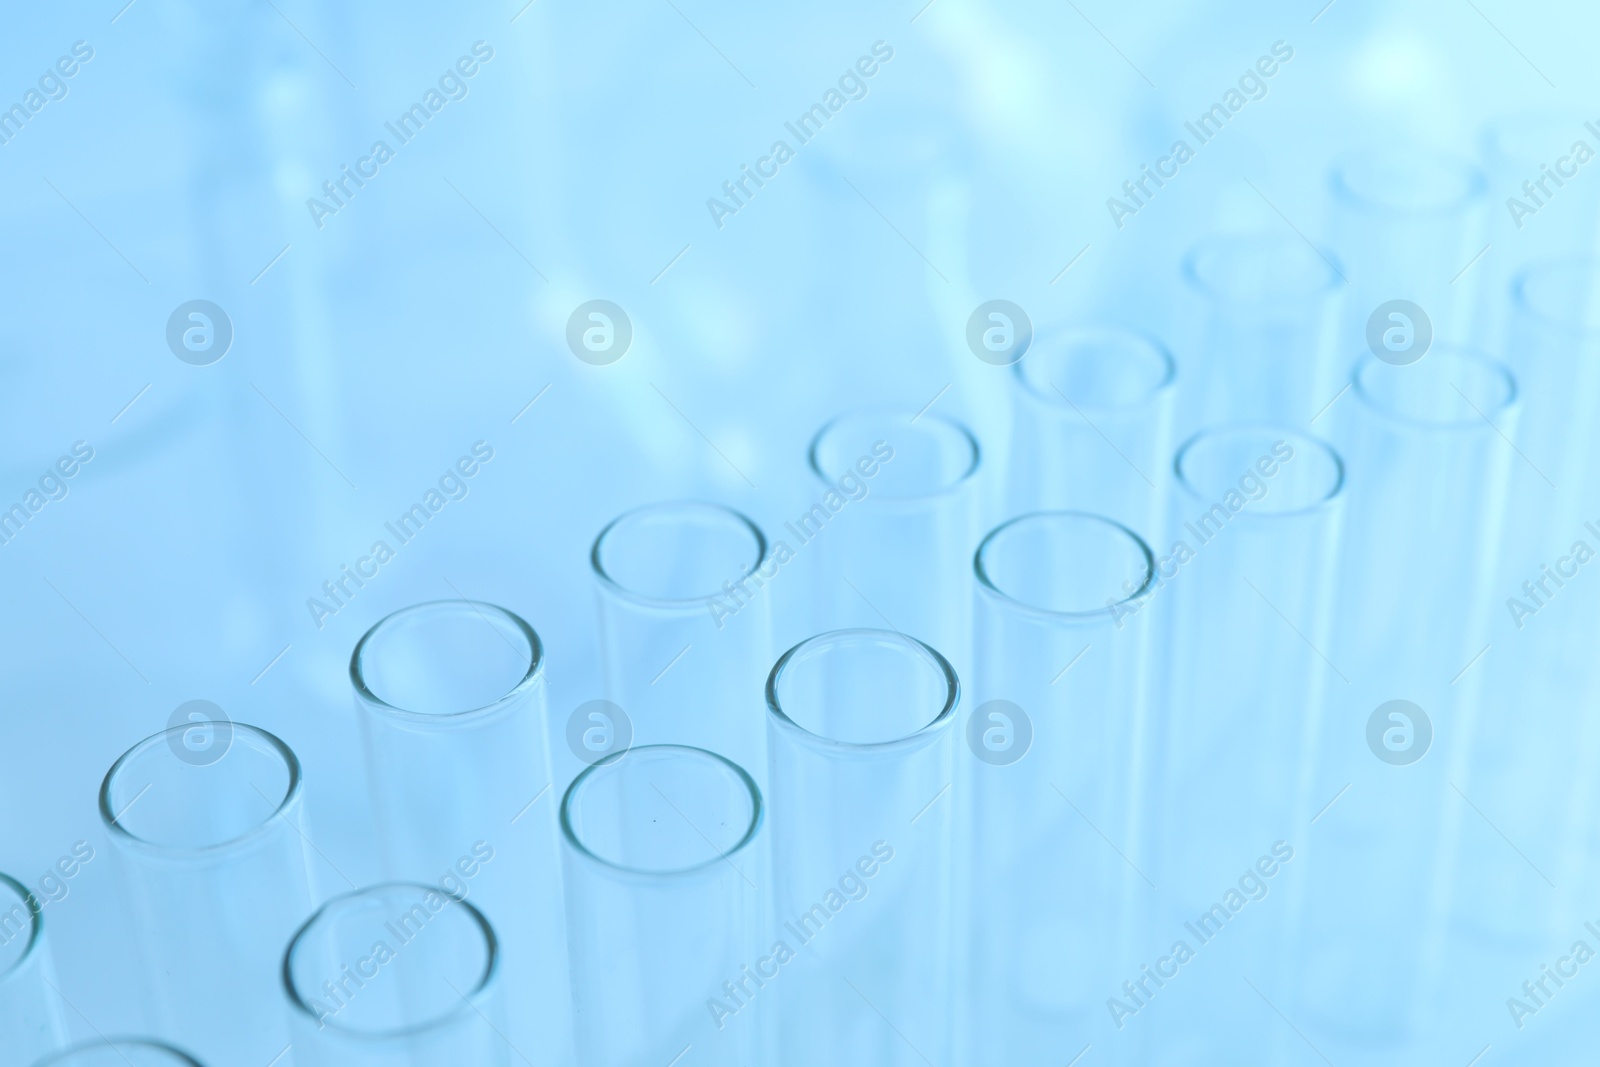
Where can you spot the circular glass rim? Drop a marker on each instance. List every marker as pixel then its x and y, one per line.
pixel 490 971
pixel 1519 292
pixel 115 1044
pixel 1477 185
pixel 120 832
pixel 372 700
pixel 1341 473
pixel 989 588
pixel 1499 369
pixel 35 923
pixel 923 735
pixel 570 835
pixel 960 429
pixel 1168 376
pixel 674 603
pixel 1191 274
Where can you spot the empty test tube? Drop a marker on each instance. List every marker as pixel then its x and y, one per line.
pixel 30 1016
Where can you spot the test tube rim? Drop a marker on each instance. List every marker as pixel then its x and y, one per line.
pixel 1168 378
pixel 121 833
pixel 677 874
pixel 35 924
pixel 1335 277
pixel 919 738
pixel 1506 375
pixel 672 604
pixel 453 719
pixel 491 969
pixel 1477 186
pixel 1519 293
pixel 1093 617
pixel 179 1056
pixel 882 501
pixel 1328 500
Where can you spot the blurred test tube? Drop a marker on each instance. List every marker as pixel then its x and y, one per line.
pixel 663 901
pixel 30 1016
pixel 120 1052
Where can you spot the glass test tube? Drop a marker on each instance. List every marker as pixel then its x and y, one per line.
pixel 30 1018
pixel 685 627
pixel 1053 757
pixel 203 822
pixel 1093 425
pixel 1423 441
pixel 860 744
pixel 1270 328
pixel 119 1052
pixel 451 696
pixel 894 522
pixel 663 906
pixel 396 975
pixel 1405 223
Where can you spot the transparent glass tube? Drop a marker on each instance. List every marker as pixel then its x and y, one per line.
pixel 1429 441
pixel 120 1052
pixel 451 697
pixel 1270 314
pixel 1093 425
pixel 1405 223
pixel 30 1018
pixel 401 974
pixel 861 730
pixel 1053 757
pixel 204 825
pixel 685 628
pixel 663 906
pixel 894 521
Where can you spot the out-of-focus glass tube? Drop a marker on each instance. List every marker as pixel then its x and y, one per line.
pixel 1093 425
pixel 1270 328
pixel 451 696
pixel 685 626
pixel 396 975
pixel 30 1020
pixel 663 906
pixel 1053 757
pixel 1429 441
pixel 894 520
pixel 1405 223
pixel 120 1052
pixel 860 744
pixel 203 821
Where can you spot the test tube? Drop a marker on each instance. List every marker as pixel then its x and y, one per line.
pixel 1093 425
pixel 663 905
pixel 894 521
pixel 860 745
pixel 451 697
pixel 396 975
pixel 202 820
pixel 120 1052
pixel 1405 224
pixel 29 1016
pixel 685 627
pixel 1270 314
pixel 1053 758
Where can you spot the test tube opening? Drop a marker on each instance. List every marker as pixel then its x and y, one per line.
pixel 1407 181
pixel 1067 565
pixel 119 1052
pixel 1259 469
pixel 1563 295
pixel 661 810
pixel 1260 271
pixel 910 455
pixel 676 554
pixel 1450 388
pixel 862 690
pixel 391 961
pixel 172 793
pixel 1099 368
pixel 445 658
